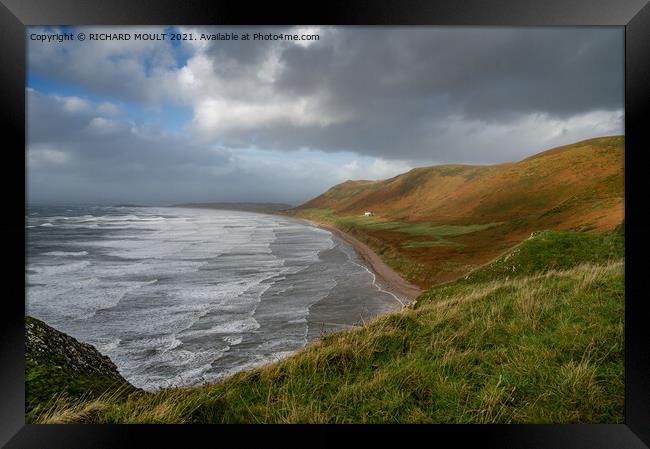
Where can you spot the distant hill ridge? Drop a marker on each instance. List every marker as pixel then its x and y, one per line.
pixel 489 207
pixel 585 172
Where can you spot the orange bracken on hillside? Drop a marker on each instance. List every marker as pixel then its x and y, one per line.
pixel 434 224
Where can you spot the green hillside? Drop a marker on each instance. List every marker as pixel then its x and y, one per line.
pixel 435 224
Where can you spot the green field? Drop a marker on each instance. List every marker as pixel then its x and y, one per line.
pixel 377 223
pixel 427 243
pixel 534 337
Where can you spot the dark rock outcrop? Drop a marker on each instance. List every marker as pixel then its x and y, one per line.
pixel 58 364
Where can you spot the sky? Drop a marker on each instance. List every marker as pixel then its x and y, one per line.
pixel 172 121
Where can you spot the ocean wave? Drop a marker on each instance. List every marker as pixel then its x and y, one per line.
pixel 159 343
pixel 60 217
pixel 233 341
pixel 377 286
pixel 279 355
pixel 115 301
pixel 109 346
pixel 50 270
pixel 129 218
pixel 66 253
pixel 236 327
pixel 152 219
pixel 216 270
pixel 84 218
pixel 187 368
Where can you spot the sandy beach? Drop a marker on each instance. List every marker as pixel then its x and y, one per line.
pixel 385 274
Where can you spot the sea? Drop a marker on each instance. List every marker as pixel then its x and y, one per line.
pixel 182 296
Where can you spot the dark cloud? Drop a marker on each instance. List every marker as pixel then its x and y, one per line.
pixel 485 73
pixel 396 84
pixel 404 95
pixel 77 154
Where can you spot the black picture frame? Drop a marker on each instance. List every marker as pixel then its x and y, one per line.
pixel 634 15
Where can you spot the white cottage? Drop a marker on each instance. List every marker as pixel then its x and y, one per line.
pixel 368 214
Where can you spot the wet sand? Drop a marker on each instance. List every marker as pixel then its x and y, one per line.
pixel 384 273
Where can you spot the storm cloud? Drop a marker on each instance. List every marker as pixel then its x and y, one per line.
pixel 282 120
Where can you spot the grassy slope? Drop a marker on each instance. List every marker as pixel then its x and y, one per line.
pixel 57 364
pixel 501 345
pixel 434 224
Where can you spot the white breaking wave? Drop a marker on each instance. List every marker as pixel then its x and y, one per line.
pixel 374 282
pixel 55 270
pixel 233 340
pixel 166 293
pixel 236 327
pixel 66 253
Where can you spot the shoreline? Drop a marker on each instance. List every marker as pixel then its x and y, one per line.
pixel 383 273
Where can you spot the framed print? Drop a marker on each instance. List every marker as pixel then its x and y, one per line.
pixel 425 214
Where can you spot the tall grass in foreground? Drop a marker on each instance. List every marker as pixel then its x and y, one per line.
pixel 545 348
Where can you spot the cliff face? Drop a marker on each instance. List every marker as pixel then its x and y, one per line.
pixel 57 364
